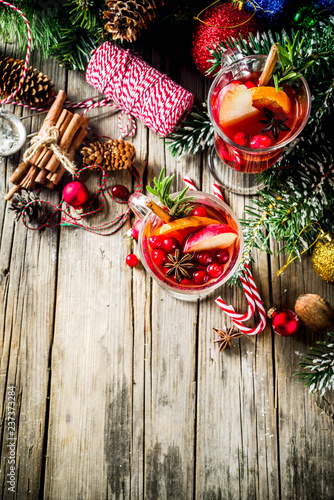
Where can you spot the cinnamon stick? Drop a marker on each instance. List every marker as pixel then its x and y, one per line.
pixel 65 141
pixel 19 173
pixel 48 153
pixel 160 212
pixel 51 117
pixel 12 191
pixel 62 123
pixel 269 66
pixel 77 140
pixel 28 182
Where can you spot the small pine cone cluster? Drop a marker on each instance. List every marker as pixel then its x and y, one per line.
pixel 37 89
pixel 127 18
pixel 113 154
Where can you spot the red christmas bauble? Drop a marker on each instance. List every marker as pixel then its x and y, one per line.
pixel 208 36
pixel 284 322
pixel 75 194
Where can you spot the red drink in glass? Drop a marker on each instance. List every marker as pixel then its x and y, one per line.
pixel 242 114
pixel 211 242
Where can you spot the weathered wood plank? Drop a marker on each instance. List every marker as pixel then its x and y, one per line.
pixel 91 381
pixel 305 422
pixel 28 263
pixel 170 374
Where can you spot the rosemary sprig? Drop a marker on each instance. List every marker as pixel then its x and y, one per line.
pixel 289 57
pixel 178 206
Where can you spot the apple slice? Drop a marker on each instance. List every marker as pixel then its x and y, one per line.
pixel 210 237
pixel 235 104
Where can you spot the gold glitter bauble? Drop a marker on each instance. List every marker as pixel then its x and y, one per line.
pixel 323 258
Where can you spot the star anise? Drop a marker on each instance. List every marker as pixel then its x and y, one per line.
pixel 273 124
pixel 226 336
pixel 178 265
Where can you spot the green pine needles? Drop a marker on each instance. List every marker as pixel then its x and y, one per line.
pixel 66 31
pixel 318 367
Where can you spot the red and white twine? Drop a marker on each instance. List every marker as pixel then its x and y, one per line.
pixel 138 89
pixel 252 294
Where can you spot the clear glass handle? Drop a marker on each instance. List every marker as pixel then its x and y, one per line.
pixel 137 205
pixel 229 56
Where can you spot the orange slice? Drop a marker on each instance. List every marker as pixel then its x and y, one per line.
pixel 268 97
pixel 185 223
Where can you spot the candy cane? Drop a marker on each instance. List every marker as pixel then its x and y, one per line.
pixel 217 191
pixel 259 305
pixel 190 183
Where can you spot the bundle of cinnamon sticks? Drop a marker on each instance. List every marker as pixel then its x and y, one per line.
pixel 44 167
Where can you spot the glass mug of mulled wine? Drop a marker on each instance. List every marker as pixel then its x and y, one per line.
pixel 252 124
pixel 192 255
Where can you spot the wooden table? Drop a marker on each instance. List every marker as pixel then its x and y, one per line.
pixel 121 392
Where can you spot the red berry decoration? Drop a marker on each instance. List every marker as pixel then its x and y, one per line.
pixel 131 260
pixel 155 241
pixel 260 141
pixel 75 194
pixel 200 277
pixel 215 270
pixel 120 191
pixel 199 212
pixel 285 322
pixel 159 257
pixel 222 256
pixel 204 258
pixel 241 138
pixel 170 244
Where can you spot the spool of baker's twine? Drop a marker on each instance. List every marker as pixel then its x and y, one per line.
pixel 254 300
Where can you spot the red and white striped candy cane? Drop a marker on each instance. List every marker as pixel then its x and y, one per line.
pixel 247 278
pixel 25 67
pixel 217 191
pixel 190 183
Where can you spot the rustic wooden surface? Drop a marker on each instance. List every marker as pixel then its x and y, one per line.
pixel 121 392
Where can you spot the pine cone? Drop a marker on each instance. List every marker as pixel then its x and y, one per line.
pixel 113 154
pixel 37 89
pixel 126 19
pixel 38 213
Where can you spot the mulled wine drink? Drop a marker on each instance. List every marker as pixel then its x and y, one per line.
pixel 192 255
pixel 254 123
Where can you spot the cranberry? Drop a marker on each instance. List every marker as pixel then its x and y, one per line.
pixel 170 244
pixel 241 138
pixel 205 258
pixel 200 277
pixel 155 241
pixel 250 85
pixel 131 260
pixel 222 256
pixel 159 257
pixel 199 212
pixel 260 141
pixel 215 270
pixel 120 191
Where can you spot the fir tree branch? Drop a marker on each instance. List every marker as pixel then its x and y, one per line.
pixel 320 366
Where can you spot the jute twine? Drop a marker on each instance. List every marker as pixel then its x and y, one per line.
pixel 49 140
